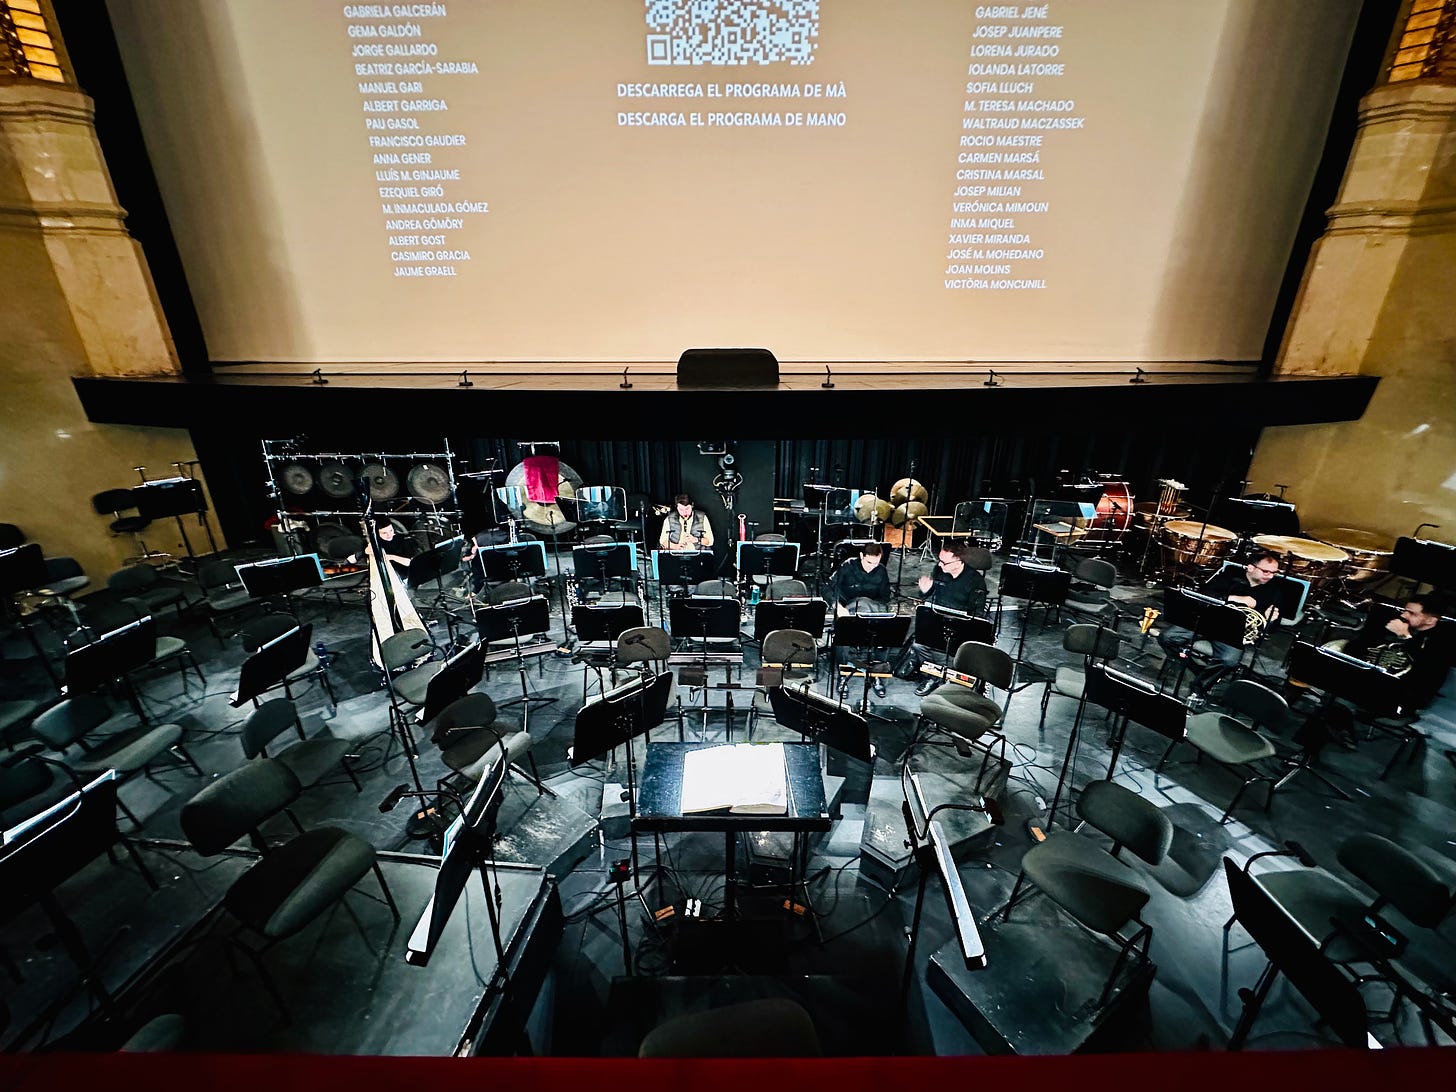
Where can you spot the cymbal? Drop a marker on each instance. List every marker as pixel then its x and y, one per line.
pixel 548 517
pixel 870 507
pixel 908 489
pixel 908 512
pixel 429 482
pixel 336 480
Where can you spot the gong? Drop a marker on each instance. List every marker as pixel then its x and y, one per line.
pixel 429 482
pixel 382 482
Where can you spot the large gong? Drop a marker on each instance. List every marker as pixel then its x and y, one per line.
pixel 545 519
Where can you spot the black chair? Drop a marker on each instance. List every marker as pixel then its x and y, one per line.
pixel 967 711
pixel 1235 745
pixel 1093 644
pixel 11 536
pixel 15 721
pixel 64 578
pixel 470 739
pixel 105 617
pixel 142 582
pixel 1099 891
pixel 223 593
pixel 291 885
pixel 114 502
pixel 308 759
pixel 1090 594
pixel 795 653
pixel 130 751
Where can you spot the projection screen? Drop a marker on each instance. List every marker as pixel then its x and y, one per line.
pixel 836 180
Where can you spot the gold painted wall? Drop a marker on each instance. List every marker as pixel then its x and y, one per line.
pixel 75 298
pixel 1379 297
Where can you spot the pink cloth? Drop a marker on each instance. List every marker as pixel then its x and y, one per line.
pixel 543 475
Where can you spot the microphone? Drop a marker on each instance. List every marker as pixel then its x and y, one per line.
pixel 392 800
pixel 1304 855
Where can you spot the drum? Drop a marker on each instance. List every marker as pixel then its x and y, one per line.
pixel 1114 513
pixel 1317 562
pixel 1370 553
pixel 1180 542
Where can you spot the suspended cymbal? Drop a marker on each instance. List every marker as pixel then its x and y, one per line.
pixel 429 482
pixel 337 480
pixel 296 479
pixel 908 513
pixel 382 482
pixel 908 489
pixel 870 507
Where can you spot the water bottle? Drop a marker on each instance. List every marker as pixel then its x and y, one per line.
pixel 753 596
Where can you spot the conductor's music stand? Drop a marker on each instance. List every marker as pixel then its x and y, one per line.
pixel 1036 583
pixel 507 621
pixel 868 631
pixel 769 560
pixel 796 613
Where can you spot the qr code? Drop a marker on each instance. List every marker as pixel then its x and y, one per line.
pixel 722 32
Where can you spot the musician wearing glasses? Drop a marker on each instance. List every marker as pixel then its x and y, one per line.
pixel 1417 645
pixel 955 586
pixel 1255 590
pixel 685 528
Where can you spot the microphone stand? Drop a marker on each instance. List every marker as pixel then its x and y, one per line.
pixel 905 527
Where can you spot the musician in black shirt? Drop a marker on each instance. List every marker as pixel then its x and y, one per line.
pixel 1255 589
pixel 1416 644
pixel 861 584
pixel 955 586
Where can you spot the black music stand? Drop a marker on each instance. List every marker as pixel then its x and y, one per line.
pixel 1248 517
pixel 796 613
pixel 1208 618
pixel 281 576
pixel 1036 583
pixel 431 566
pixel 680 569
pixel 822 720
pixel 175 497
pixel 468 847
pixel 458 676
pixel 513 561
pixel 945 630
pixel 1425 562
pixel 507 621
pixel 703 618
pixel 110 657
pixel 1132 700
pixel 868 631
pixel 606 561
pixel 598 624
pixel 272 664
pixel 21 570
pixel 767 559
pixel 614 719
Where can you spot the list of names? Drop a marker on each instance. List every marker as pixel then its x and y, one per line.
pixel 427 204
pixel 1013 118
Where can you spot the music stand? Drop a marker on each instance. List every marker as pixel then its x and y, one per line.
pixel 703 618
pixel 458 676
pixel 822 720
pixel 468 847
pixel 1247 517
pixel 945 630
pixel 606 561
pixel 112 656
pixel 1036 583
pixel 680 569
pixel 22 570
pixel 508 621
pixel 601 625
pixel 869 631
pixel 1209 618
pixel 432 565
pixel 281 575
pixel 1132 700
pixel 1425 562
pixel 272 664
pixel 176 497
pixel 767 559
pixel 795 613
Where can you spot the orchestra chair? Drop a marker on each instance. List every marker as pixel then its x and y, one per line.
pixel 720 589
pixel 256 633
pixel 1236 744
pixel 400 655
pixel 1090 593
pixel 167 647
pixel 795 652
pixel 15 721
pixel 64 578
pixel 113 502
pixel 1404 729
pixel 965 711
pixel 291 885
pixel 1095 644
pixel 161 1034
pixel 29 784
pixel 764 581
pixel 142 582
pixel 653 649
pixel 1098 890
pixel 223 593
pixel 981 559
pixel 771 1027
pixel 309 759
pixel 129 751
pixel 470 738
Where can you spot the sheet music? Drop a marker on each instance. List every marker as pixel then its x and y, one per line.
pixel 744 778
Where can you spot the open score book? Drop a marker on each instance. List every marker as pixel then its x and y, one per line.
pixel 743 778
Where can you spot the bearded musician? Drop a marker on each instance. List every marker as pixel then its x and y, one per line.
pixel 685 528
pixel 1254 589
pixel 1417 645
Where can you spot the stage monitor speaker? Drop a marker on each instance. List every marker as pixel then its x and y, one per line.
pixel 727 368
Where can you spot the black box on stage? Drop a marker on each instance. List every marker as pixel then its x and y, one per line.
pixel 727 368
